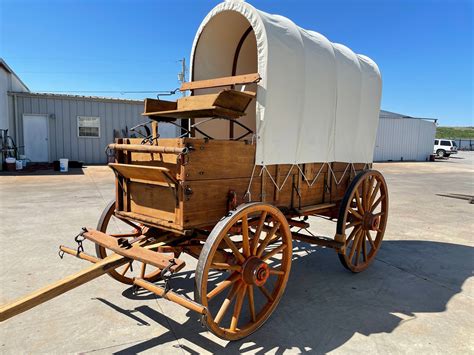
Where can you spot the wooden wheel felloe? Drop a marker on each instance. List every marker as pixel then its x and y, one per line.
pixel 120 228
pixel 363 219
pixel 243 269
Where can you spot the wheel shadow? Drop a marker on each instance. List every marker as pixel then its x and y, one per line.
pixel 324 305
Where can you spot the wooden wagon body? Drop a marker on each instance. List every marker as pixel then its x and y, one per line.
pixel 183 191
pixel 275 141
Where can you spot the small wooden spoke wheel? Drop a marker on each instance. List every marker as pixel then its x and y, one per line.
pixel 363 219
pixel 110 224
pixel 243 269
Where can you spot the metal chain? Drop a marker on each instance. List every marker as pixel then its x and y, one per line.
pixel 79 239
pixel 166 274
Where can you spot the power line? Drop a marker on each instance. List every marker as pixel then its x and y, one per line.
pixel 107 91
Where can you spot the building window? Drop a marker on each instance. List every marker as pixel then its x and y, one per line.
pixel 88 127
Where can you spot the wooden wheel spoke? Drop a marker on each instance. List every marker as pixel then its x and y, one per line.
pixel 364 248
pixel 369 238
pixel 225 305
pixel 143 270
pixel 364 194
pixel 234 249
pixel 353 233
pixel 266 293
pixel 374 193
pixel 222 286
pixel 226 266
pixel 237 308
pixel 267 239
pixel 374 206
pixel 258 231
pixel 353 224
pixel 379 214
pixel 358 247
pixel 274 252
pixel 358 201
pixel 273 271
pixel 354 245
pixel 245 236
pixel 354 213
pixel 251 303
pixel 125 269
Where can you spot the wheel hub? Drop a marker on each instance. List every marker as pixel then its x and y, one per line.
pixel 255 271
pixel 370 221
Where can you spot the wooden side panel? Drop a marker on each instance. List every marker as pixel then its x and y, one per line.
pixel 344 174
pixel 155 201
pixel 212 169
pixel 169 161
pixel 208 202
pixel 216 159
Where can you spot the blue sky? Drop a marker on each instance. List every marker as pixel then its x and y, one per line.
pixel 424 48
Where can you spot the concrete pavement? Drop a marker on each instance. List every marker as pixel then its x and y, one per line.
pixel 417 297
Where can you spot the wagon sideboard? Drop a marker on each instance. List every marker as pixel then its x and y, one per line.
pixel 214 176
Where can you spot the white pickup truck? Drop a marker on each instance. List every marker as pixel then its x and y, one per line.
pixel 445 147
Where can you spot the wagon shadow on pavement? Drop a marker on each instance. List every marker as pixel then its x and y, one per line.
pixel 324 305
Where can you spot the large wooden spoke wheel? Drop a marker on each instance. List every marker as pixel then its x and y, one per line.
pixel 117 227
pixel 243 269
pixel 363 219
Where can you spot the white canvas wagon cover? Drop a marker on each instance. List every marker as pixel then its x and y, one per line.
pixel 317 101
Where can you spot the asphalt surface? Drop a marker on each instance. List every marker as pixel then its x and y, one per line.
pixel 417 297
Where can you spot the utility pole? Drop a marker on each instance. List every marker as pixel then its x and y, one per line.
pixel 182 74
pixel 185 124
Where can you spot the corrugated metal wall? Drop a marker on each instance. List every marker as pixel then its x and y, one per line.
pixel 404 139
pixel 63 111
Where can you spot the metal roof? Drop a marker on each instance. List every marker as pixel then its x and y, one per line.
pixel 73 97
pixel 394 115
pixel 10 70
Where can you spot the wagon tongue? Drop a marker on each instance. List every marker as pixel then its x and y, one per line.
pixel 123 253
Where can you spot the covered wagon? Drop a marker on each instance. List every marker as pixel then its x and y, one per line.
pixel 280 125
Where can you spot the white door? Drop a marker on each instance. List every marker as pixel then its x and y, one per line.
pixel 36 137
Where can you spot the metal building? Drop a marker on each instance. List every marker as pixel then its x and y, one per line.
pixel 48 127
pixel 401 137
pixel 9 81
